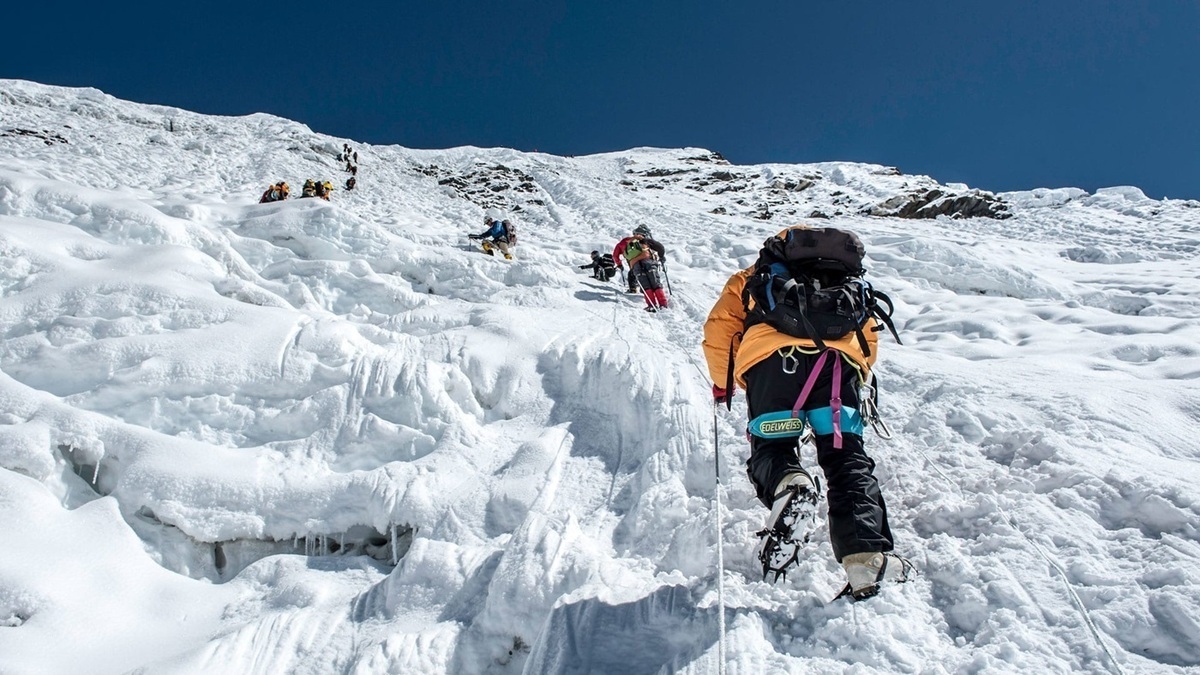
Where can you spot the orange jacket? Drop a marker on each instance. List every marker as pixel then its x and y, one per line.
pixel 727 318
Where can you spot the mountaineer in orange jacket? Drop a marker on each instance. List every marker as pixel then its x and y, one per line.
pixel 276 193
pixel 793 382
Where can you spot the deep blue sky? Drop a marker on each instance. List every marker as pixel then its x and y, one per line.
pixel 1001 95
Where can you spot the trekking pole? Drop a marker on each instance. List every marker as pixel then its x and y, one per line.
pixel 720 548
pixel 667 277
pixel 645 293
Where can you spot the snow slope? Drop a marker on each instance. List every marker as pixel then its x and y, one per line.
pixel 312 437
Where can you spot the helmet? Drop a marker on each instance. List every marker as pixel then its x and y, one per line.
pixel 595 254
pixel 328 185
pixel 642 230
pixel 488 220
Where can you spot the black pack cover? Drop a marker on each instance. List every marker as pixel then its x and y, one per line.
pixel 808 284
pixel 820 247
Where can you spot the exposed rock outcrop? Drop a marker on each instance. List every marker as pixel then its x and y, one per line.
pixel 936 202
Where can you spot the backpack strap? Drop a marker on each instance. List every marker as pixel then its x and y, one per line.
pixel 862 342
pixel 815 335
pixel 865 297
pixel 790 285
pixel 884 317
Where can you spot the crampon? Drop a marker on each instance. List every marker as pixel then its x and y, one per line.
pixel 788 528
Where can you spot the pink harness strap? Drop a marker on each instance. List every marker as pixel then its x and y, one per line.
pixel 835 401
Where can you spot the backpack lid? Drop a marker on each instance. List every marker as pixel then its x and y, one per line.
pixel 823 248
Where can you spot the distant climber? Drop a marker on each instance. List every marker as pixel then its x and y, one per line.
pixel 647 266
pixel 501 234
pixel 351 182
pixel 602 266
pixel 276 193
pixel 309 189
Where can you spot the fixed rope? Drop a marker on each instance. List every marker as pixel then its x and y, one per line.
pixel 720 549
pixel 1073 596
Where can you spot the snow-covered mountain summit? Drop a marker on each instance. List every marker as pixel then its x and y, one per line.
pixel 333 437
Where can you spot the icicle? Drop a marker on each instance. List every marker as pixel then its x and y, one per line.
pixel 96 473
pixel 395 546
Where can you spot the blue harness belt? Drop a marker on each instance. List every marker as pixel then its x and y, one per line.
pixel 832 419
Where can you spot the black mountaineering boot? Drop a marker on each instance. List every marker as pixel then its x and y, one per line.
pixel 793 516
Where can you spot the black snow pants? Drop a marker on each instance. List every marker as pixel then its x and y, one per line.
pixel 857 515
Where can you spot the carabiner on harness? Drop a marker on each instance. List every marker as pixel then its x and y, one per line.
pixel 867 397
pixel 791 363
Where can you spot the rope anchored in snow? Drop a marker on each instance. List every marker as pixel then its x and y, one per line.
pixel 720 548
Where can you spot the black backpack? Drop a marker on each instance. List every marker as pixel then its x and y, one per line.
pixel 809 285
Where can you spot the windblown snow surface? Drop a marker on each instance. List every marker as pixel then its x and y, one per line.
pixel 334 437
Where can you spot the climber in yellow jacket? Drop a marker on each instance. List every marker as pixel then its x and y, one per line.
pixel 798 330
